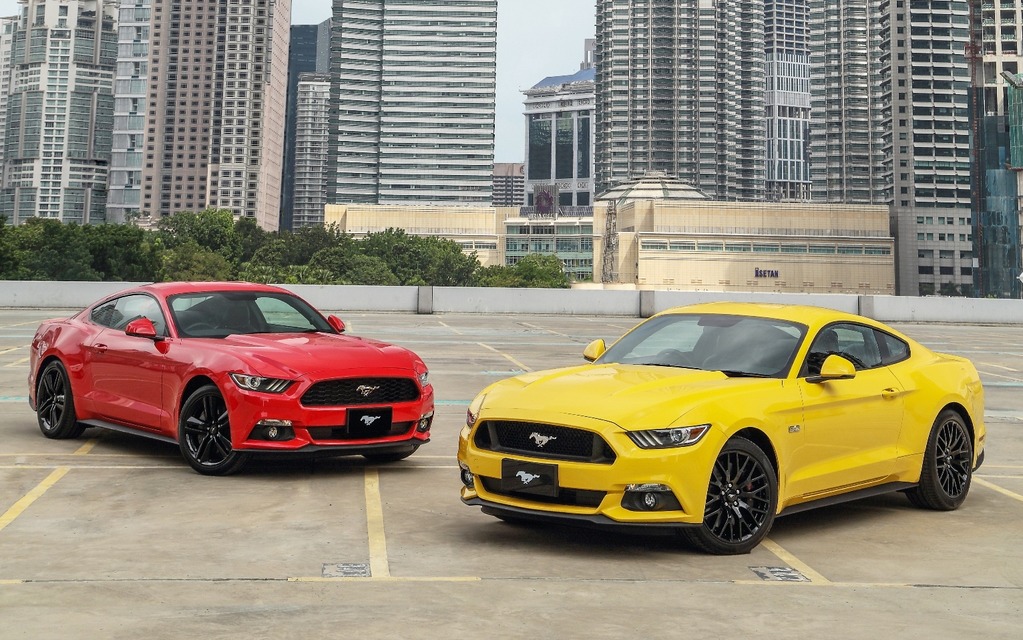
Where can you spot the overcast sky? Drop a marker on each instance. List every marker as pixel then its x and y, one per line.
pixel 536 39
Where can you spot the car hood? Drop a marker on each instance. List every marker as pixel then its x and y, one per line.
pixel 631 396
pixel 316 354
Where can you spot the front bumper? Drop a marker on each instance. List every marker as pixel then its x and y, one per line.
pixel 597 521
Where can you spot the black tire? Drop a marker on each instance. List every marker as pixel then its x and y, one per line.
pixel 742 498
pixel 948 465
pixel 204 434
pixel 55 404
pixel 392 456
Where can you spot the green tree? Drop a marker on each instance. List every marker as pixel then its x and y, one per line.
pixel 535 270
pixel 192 263
pixel 210 229
pixel 250 237
pixel 417 260
pixel 9 261
pixel 52 250
pixel 122 252
pixel 369 270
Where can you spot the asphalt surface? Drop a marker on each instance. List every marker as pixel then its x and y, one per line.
pixel 113 536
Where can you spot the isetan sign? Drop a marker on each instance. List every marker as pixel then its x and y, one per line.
pixel 765 273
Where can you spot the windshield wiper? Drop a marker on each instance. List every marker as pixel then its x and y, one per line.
pixel 743 374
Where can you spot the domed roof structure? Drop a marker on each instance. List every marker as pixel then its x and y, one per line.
pixel 654 185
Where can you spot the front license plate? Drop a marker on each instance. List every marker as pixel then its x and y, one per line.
pixel 529 477
pixel 369 423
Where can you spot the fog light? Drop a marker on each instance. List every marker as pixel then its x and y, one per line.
pixel 650 497
pixel 424 423
pixel 277 430
pixel 466 476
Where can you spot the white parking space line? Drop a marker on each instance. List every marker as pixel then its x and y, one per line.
pixel 10 349
pixel 998 375
pixel 447 326
pixel 997 366
pixel 378 565
pixel 539 328
pixel 995 487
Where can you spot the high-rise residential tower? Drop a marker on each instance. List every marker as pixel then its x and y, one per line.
pixel 60 111
pixel 8 25
pixel 680 89
pixel 996 103
pixel 414 101
pixel 787 99
pixel 311 149
pixel 309 53
pixel 926 80
pixel 848 128
pixel 216 108
pixel 131 88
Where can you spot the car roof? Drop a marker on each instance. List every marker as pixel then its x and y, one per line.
pixel 803 314
pixel 175 288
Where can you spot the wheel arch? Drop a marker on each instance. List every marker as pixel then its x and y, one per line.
pixel 759 438
pixel 186 391
pixel 43 363
pixel 965 415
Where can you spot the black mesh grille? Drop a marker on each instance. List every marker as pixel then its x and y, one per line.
pixel 543 441
pixel 360 391
pixel 570 497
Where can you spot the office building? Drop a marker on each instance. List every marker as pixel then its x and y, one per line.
pixel 216 108
pixel 848 126
pixel 310 152
pixel 414 102
pixel 787 99
pixel 8 25
pixel 60 108
pixel 509 184
pixel 309 53
pixel 926 80
pixel 997 106
pixel 560 137
pixel 680 89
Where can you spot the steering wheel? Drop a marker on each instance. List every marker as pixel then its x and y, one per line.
pixel 201 326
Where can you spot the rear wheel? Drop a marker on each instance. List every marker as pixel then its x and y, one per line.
pixel 55 405
pixel 948 465
pixel 741 500
pixel 204 434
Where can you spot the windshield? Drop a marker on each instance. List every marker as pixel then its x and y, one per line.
pixel 737 345
pixel 217 314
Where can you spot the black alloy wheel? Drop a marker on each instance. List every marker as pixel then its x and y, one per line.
pixel 741 501
pixel 204 434
pixel 948 465
pixel 55 404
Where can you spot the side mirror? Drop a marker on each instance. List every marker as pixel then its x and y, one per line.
pixel 336 323
pixel 142 328
pixel 594 350
pixel 834 368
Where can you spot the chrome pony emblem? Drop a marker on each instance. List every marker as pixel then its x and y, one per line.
pixel 541 440
pixel 366 389
pixel 368 420
pixel 527 477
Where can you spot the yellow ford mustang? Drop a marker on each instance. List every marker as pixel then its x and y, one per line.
pixel 713 419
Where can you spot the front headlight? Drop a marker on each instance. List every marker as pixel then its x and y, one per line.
pixel 473 411
pixel 424 378
pixel 669 438
pixel 259 383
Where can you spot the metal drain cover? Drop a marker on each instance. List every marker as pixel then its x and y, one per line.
pixel 346 570
pixel 779 574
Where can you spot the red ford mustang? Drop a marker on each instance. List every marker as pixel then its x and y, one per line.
pixel 227 371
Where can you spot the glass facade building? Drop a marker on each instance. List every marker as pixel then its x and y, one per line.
pixel 787 99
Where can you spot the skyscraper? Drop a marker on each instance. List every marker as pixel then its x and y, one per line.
pixel 997 110
pixel 8 25
pixel 311 150
pixel 680 89
pixel 309 53
pixel 216 108
pixel 848 127
pixel 60 111
pixel 787 99
pixel 926 80
pixel 414 101
pixel 131 88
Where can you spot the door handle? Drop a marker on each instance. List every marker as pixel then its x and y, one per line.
pixel 102 348
pixel 889 393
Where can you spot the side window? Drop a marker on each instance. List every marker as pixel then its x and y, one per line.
pixel 116 314
pixel 851 341
pixel 893 349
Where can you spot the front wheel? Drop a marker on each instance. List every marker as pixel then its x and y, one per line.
pixel 948 465
pixel 55 405
pixel 204 434
pixel 741 500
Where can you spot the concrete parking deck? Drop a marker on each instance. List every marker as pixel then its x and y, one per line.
pixel 112 536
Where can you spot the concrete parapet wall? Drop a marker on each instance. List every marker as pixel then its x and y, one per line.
pixel 614 302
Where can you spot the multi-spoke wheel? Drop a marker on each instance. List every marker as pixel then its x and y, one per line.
pixel 741 501
pixel 55 406
pixel 948 465
pixel 204 434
